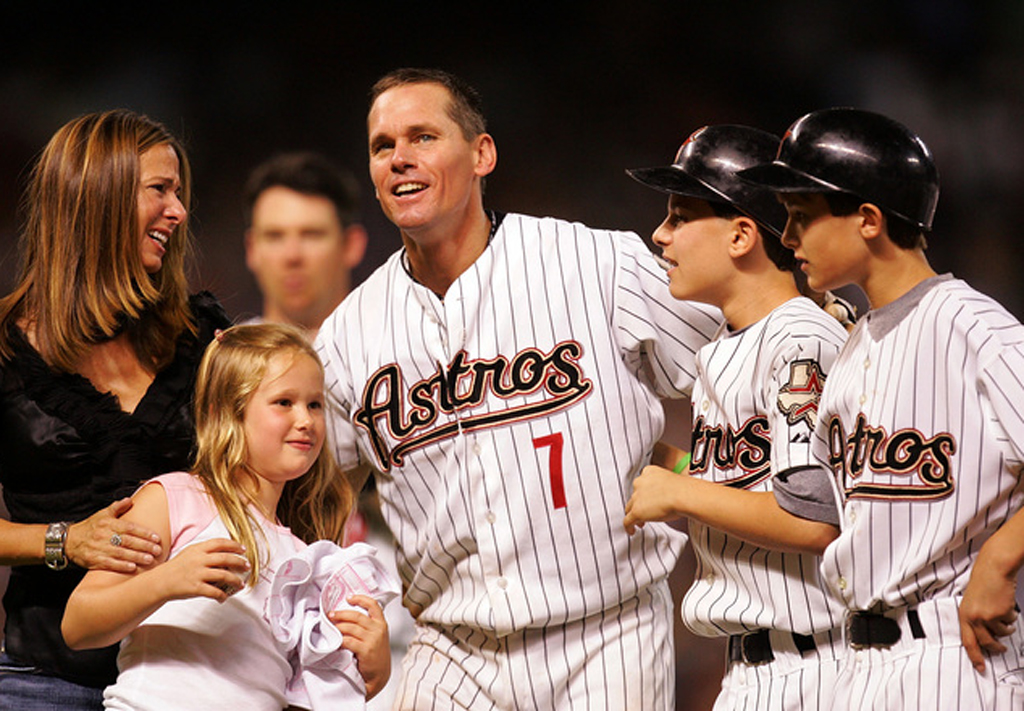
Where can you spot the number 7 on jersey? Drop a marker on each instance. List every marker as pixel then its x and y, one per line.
pixel 554 441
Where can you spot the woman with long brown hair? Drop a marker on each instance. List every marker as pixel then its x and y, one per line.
pixel 99 345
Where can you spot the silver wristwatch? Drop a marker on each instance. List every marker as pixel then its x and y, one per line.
pixel 56 537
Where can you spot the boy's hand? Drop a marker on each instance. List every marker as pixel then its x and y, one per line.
pixel 988 610
pixel 654 494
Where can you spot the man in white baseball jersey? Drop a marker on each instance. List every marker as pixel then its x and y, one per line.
pixel 755 403
pixel 502 374
pixel 920 420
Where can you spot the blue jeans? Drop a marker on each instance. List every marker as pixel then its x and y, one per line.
pixel 28 689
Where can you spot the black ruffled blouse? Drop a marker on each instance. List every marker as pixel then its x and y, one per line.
pixel 66 451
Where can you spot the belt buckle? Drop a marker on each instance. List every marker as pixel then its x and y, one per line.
pixel 755 648
pixel 745 642
pixel 849 633
pixel 875 629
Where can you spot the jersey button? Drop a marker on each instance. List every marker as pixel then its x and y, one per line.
pixel 705 405
pixel 863 399
pixel 867 363
pixel 842 583
pixel 476 448
pixel 502 583
pixel 491 518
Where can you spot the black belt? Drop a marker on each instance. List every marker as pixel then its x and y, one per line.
pixel 756 647
pixel 869 629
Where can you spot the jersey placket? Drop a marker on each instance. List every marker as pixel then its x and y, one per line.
pixel 476 459
pixel 862 401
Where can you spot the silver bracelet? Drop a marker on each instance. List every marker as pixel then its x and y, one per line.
pixel 56 537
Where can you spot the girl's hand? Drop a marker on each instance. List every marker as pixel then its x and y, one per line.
pixel 215 569
pixel 366 636
pixel 104 541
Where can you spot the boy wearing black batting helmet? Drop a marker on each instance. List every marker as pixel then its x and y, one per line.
pixel 755 401
pixel 921 423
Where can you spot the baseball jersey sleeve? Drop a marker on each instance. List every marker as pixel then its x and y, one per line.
pixel 806 343
pixel 1002 381
pixel 659 335
pixel 341 434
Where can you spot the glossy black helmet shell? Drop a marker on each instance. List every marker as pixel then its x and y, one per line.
pixel 858 152
pixel 706 165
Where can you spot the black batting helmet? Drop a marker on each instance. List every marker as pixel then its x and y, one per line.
pixel 857 152
pixel 706 167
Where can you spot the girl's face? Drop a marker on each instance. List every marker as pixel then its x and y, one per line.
pixel 160 207
pixel 284 423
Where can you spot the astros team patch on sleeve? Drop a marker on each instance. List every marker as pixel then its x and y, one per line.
pixel 798 399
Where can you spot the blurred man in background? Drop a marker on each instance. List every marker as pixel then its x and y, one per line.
pixel 303 238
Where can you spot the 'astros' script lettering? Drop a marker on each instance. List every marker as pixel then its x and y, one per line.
pixel 410 416
pixel 747 449
pixel 924 461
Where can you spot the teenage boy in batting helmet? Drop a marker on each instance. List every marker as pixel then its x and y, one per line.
pixel 754 403
pixel 920 422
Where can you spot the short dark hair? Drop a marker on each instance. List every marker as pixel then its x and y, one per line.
pixel 902 233
pixel 783 258
pixel 465 108
pixel 310 174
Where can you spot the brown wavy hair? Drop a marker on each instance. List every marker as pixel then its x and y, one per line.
pixel 81 277
pixel 314 506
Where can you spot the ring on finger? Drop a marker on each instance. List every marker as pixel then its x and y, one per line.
pixel 115 540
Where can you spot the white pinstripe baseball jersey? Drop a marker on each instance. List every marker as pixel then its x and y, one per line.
pixel 508 419
pixel 922 421
pixel 754 408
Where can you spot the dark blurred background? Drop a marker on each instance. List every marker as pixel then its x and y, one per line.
pixel 575 94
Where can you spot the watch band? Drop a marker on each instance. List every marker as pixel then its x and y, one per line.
pixel 56 537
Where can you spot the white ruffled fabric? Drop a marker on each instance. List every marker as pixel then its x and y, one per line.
pixel 305 588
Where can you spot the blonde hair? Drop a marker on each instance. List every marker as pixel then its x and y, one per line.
pixel 316 505
pixel 81 277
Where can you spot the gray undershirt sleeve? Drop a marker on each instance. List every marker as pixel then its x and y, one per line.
pixel 807 492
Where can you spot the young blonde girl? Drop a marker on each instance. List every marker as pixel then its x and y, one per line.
pixel 194 625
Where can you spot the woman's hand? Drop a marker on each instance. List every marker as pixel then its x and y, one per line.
pixel 366 636
pixel 106 542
